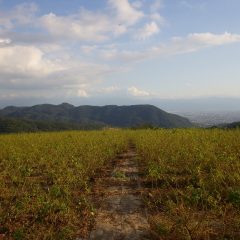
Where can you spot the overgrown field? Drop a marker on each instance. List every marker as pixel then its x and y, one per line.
pixel 44 181
pixel 192 181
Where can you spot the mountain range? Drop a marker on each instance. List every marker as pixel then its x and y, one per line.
pixel 233 125
pixel 96 116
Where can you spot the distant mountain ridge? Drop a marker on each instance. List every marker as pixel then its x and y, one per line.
pixel 233 125
pixel 14 125
pixel 110 115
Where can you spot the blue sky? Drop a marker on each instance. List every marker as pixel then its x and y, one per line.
pixel 102 51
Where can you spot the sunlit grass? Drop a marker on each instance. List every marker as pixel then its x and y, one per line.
pixel 44 181
pixel 195 179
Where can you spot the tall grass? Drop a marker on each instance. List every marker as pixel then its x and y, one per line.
pixel 192 177
pixel 195 181
pixel 44 181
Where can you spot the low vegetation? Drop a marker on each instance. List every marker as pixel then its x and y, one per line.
pixel 192 181
pixel 45 179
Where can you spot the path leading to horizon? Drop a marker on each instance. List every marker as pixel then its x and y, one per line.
pixel 121 214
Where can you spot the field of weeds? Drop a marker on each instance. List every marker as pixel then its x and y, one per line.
pixel 191 181
pixel 194 182
pixel 45 178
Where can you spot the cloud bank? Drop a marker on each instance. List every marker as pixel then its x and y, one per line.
pixel 72 54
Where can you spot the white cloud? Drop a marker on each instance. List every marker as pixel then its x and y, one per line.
pixel 22 14
pixel 26 61
pixel 82 93
pixel 126 13
pixel 177 45
pixel 157 17
pixel 32 68
pixel 123 55
pixel 137 4
pixel 147 31
pixel 214 39
pixel 63 52
pixel 85 26
pixel 197 41
pixel 193 6
pixel 4 41
pixel 111 89
pixel 137 92
pixel 88 48
pixel 156 6
pixel 118 18
pixel 93 26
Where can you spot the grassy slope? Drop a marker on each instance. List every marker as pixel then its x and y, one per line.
pixel 44 181
pixel 194 177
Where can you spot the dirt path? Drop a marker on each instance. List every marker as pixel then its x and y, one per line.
pixel 121 214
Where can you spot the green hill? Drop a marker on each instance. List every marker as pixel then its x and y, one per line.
pixel 14 125
pixel 66 116
pixel 229 125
